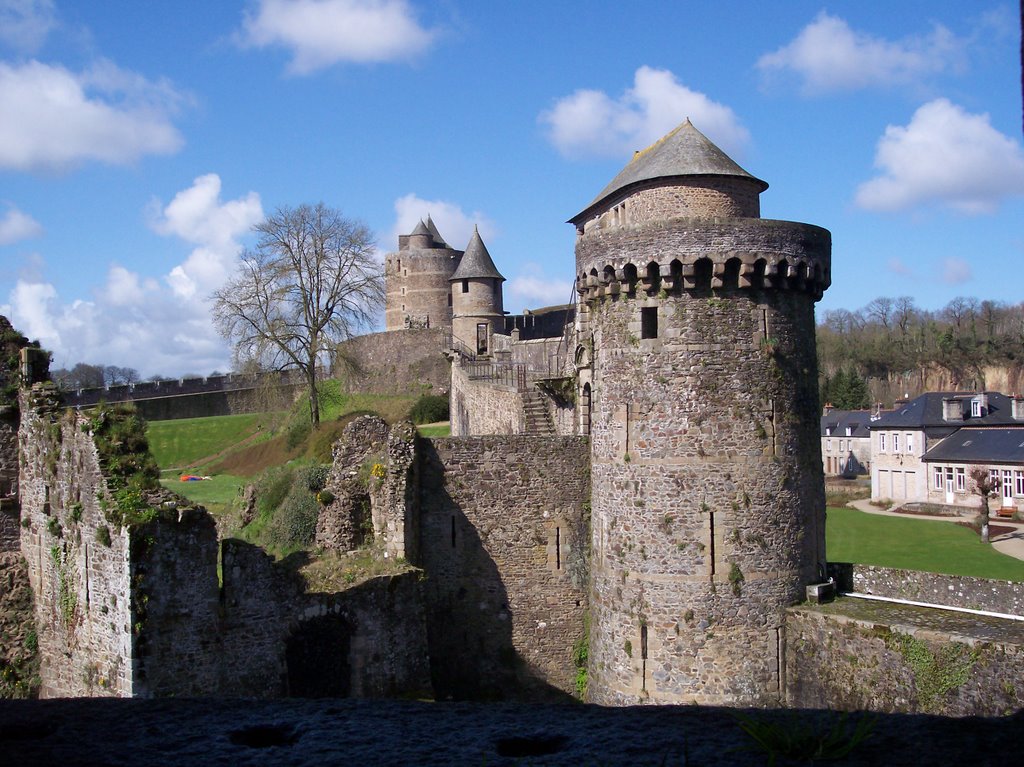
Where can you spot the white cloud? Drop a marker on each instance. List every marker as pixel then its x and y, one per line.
pixel 197 216
pixel 320 33
pixel 53 119
pixel 15 225
pixel 944 155
pixel 898 266
pixel 591 123
pixel 828 55
pixel 454 224
pixel 135 321
pixel 533 289
pixel 25 24
pixel 955 271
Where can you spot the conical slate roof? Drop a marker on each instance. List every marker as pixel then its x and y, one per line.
pixel 683 152
pixel 438 239
pixel 476 262
pixel 421 228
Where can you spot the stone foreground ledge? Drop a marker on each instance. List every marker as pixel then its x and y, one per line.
pixel 319 732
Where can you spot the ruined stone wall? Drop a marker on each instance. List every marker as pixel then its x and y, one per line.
pixel 368 640
pixel 80 577
pixel 708 501
pixel 418 292
pixel 949 590
pixel 177 604
pixel 840 662
pixel 503 544
pixel 483 406
pixel 401 362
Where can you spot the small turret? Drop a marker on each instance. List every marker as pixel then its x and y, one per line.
pixel 476 296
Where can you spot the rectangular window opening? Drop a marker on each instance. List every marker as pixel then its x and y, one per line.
pixel 453 532
pixel 558 548
pixel 465 286
pixel 649 322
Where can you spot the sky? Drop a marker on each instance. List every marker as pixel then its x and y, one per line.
pixel 140 142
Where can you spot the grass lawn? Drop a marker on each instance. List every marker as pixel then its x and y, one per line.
pixel 914 544
pixel 216 494
pixel 439 429
pixel 189 442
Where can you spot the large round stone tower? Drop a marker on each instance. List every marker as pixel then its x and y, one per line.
pixel 417 278
pixel 708 508
pixel 477 305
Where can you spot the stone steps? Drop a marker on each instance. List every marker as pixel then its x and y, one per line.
pixel 538 418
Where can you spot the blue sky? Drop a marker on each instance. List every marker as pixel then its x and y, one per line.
pixel 139 142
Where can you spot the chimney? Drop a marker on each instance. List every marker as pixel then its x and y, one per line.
pixel 827 409
pixel 1017 408
pixel 952 409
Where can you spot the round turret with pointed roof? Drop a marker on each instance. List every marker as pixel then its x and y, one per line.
pixel 476 262
pixel 682 174
pixel 417 280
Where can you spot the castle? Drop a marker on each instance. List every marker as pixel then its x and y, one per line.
pixel 637 473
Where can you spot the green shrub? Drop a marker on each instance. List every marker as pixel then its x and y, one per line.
pixel 272 487
pixel 429 408
pixel 298 433
pixel 294 524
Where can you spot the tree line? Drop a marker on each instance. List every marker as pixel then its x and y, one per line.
pixel 891 345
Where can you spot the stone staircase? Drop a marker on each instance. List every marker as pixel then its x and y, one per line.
pixel 538 418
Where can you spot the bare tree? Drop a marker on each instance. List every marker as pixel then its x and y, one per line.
pixel 986 484
pixel 310 282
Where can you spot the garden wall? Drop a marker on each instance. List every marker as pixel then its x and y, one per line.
pixel 917 586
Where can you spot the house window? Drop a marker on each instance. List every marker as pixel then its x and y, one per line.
pixel 961 480
pixel 937 478
pixel 842 446
pixel 828 446
pixel 649 322
pixel 910 443
pixel 465 286
pixel 849 431
pixel 1018 483
pixel 881 442
pixel 975 408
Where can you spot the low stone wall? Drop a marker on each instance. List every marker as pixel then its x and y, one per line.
pixel 949 590
pixel 876 662
pixel 395 362
pixel 483 407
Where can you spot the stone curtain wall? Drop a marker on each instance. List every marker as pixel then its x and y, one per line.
pixel 1004 597
pixel 503 544
pixel 399 362
pixel 839 662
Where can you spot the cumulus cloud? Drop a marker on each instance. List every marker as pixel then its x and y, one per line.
pixel 955 271
pixel 54 119
pixel 592 123
pixel 827 55
pixel 944 155
pixel 898 266
pixel 15 226
pixel 197 216
pixel 136 321
pixel 452 222
pixel 25 24
pixel 321 33
pixel 532 288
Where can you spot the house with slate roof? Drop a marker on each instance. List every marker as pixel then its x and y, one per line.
pixel 845 442
pixel 925 449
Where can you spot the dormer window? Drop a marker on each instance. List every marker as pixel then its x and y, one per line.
pixel 849 432
pixel 975 408
pixel 828 431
